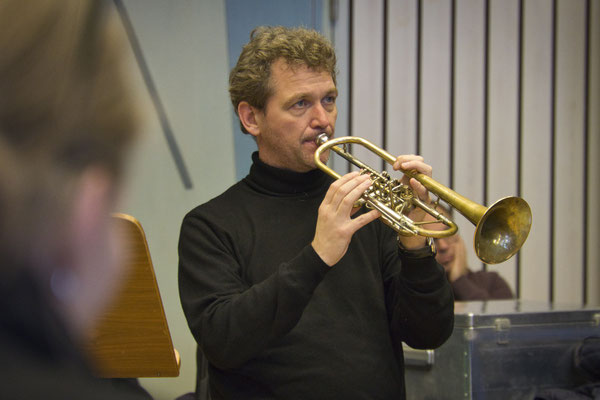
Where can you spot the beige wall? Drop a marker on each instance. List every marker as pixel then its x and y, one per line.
pixel 185 46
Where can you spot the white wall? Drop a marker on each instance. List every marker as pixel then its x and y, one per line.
pixel 184 44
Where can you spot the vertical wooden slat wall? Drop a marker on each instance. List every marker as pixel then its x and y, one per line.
pixel 593 105
pixel 469 118
pixel 569 151
pixel 501 151
pixel 537 160
pixel 435 86
pixel 401 123
pixel 502 98
pixel 367 91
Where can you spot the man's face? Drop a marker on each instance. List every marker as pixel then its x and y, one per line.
pixel 301 107
pixel 446 249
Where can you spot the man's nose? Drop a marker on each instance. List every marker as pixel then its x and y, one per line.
pixel 320 117
pixel 442 244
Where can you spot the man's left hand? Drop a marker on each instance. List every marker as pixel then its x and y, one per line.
pixel 414 163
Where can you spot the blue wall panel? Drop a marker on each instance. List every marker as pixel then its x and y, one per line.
pixel 242 17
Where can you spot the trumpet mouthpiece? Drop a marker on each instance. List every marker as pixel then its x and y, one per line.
pixel 321 138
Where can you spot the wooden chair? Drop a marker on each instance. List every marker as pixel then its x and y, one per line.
pixel 133 338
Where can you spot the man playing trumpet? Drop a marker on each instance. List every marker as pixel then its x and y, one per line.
pixel 291 292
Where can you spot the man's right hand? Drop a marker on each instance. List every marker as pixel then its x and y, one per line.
pixel 335 225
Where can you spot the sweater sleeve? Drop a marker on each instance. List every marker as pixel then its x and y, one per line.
pixel 232 321
pixel 419 300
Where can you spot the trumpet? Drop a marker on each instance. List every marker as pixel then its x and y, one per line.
pixel 501 229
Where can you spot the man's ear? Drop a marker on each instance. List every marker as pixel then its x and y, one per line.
pixel 249 118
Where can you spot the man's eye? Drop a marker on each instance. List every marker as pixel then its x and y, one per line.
pixel 329 100
pixel 300 104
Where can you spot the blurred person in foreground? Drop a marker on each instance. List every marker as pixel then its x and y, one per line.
pixel 290 291
pixel 66 122
pixel 466 284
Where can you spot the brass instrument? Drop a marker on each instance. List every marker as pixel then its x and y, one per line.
pixel 501 229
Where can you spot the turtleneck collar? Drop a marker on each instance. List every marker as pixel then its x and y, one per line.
pixel 283 182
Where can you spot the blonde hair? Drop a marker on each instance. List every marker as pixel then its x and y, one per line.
pixel 249 79
pixel 64 106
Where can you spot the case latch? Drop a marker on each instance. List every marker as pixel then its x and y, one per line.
pixel 502 328
pixel 418 358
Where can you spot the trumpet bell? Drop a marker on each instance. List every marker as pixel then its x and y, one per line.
pixel 502 230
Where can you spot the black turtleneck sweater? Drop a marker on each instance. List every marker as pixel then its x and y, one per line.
pixel 274 321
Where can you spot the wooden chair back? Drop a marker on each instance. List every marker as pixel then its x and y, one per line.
pixel 132 339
